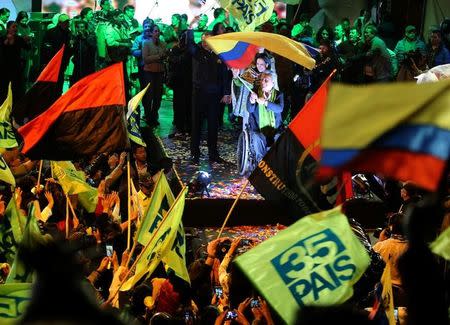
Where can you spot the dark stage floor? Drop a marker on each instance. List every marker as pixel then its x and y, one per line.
pixel 226 182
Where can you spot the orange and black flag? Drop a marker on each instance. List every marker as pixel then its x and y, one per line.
pixel 88 119
pixel 286 174
pixel 42 94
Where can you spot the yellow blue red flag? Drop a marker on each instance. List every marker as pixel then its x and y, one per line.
pixel 399 130
pixel 238 50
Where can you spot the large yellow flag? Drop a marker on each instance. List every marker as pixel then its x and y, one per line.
pixel 161 200
pixel 7 137
pixel 5 172
pixel 74 182
pixel 14 299
pixel 160 243
pixel 249 13
pixel 315 261
pixel 175 258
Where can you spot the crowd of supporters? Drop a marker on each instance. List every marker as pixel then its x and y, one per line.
pixel 176 61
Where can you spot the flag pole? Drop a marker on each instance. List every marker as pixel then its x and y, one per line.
pixel 67 216
pixel 129 203
pixel 125 278
pixel 75 224
pixel 140 224
pixel 39 176
pixel 232 208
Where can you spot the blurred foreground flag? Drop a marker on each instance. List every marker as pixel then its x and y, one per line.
pixel 441 245
pixel 14 299
pixel 238 50
pixel 399 130
pixel 315 261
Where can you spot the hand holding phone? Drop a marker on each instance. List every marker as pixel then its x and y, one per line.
pixel 218 291
pixel 109 253
pixel 254 303
pixel 232 314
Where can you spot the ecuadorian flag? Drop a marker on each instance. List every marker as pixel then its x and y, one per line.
pixel 398 130
pixel 238 50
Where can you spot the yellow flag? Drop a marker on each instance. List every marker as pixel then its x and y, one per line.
pixel 161 200
pixel 161 242
pixel 387 297
pixel 175 258
pixel 7 137
pixel 74 182
pixel 134 102
pixel 14 299
pixel 249 13
pixel 5 173
pixel 315 261
pixel 441 246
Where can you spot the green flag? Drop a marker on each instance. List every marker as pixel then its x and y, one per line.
pixel 7 137
pixel 16 219
pixel 5 173
pixel 74 182
pixel 441 246
pixel 160 243
pixel 8 243
pixel 14 299
pixel 32 236
pixel 315 261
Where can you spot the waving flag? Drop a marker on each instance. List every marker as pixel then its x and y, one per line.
pixel 287 172
pixel 88 119
pixel 7 137
pixel 400 130
pixel 161 242
pixel 249 13
pixel 238 50
pixel 314 262
pixel 42 94
pixel 14 299
pixel 5 173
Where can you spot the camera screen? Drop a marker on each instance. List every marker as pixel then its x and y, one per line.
pixel 231 314
pixel 218 291
pixel 254 303
pixel 109 250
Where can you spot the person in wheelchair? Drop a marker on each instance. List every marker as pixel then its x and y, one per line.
pixel 265 106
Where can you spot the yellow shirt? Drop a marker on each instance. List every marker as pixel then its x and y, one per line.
pixel 390 250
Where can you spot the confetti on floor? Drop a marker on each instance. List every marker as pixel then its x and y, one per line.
pixel 226 182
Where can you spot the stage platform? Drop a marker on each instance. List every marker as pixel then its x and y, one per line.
pixel 226 183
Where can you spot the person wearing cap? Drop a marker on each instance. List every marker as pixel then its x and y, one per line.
pixel 409 44
pixel 146 185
